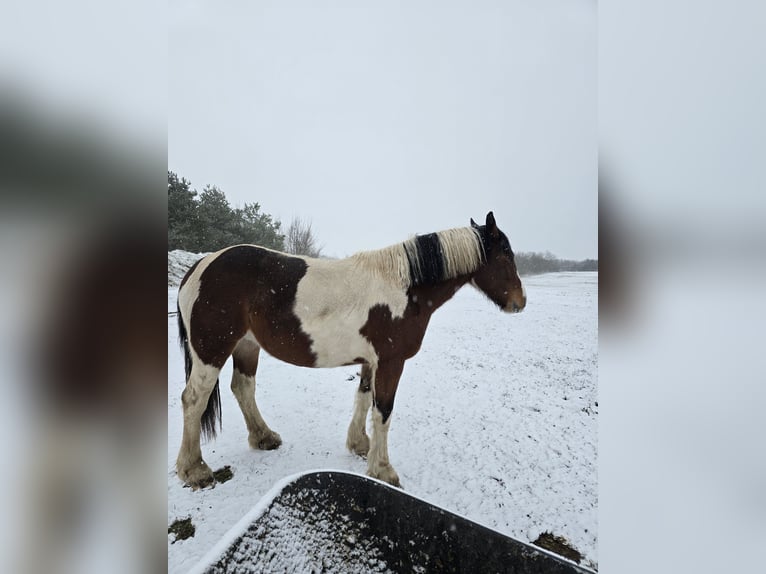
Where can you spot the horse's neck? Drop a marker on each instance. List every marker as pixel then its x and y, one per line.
pixel 434 296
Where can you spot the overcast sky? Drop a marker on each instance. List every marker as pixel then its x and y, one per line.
pixel 378 120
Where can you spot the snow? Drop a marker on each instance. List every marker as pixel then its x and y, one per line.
pixel 495 419
pixel 178 264
pixel 312 522
pixel 286 526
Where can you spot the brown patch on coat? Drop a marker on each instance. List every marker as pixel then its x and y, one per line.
pixel 250 288
pixel 396 339
pixel 499 280
pixel 245 357
pixel 498 277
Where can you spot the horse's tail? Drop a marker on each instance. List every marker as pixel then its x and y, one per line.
pixel 213 409
pixel 212 414
pixel 183 339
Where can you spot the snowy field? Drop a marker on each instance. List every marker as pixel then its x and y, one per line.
pixel 495 419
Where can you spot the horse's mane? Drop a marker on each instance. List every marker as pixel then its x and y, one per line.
pixel 427 259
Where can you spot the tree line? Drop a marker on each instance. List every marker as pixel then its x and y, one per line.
pixel 533 263
pixel 204 221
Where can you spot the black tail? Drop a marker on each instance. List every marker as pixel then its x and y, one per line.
pixel 211 414
pixel 213 409
pixel 183 339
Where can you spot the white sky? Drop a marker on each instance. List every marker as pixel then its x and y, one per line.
pixel 377 120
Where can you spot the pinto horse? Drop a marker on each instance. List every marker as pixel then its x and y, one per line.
pixel 370 309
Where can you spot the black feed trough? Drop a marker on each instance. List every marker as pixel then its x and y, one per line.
pixel 340 522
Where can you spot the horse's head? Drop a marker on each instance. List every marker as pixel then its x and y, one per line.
pixel 497 278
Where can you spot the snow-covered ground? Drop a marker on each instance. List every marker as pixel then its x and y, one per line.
pixel 179 263
pixel 495 419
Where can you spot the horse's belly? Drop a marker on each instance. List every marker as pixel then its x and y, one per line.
pixel 335 345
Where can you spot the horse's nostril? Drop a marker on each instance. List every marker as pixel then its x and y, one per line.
pixel 515 306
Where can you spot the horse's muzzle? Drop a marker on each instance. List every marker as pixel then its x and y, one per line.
pixel 514 308
pixel 516 304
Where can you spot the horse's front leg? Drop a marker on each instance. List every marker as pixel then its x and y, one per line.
pixel 385 381
pixel 357 440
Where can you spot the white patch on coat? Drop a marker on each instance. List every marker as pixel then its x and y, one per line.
pixel 333 302
pixel 334 297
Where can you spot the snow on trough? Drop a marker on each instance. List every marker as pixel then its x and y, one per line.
pixel 495 419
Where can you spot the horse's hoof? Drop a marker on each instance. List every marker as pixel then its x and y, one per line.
pixel 197 476
pixel 269 441
pixel 360 447
pixel 386 474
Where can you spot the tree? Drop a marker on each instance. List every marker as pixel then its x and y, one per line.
pixel 536 263
pixel 300 239
pixel 207 222
pixel 259 228
pixel 182 211
pixel 216 219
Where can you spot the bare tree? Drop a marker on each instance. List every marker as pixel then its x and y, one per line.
pixel 300 239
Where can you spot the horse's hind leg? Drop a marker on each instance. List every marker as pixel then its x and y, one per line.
pixel 245 355
pixel 189 465
pixel 357 440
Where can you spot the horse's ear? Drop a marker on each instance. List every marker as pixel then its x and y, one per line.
pixel 473 224
pixel 492 225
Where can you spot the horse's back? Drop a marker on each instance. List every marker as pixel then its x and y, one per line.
pixel 308 312
pixel 239 289
pixel 242 268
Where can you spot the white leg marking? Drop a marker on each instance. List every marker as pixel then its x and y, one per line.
pixel 260 436
pixel 378 465
pixel 357 440
pixel 189 465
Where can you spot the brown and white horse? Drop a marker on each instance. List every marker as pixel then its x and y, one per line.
pixel 370 309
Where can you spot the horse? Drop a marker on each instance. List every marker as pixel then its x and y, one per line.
pixel 370 309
